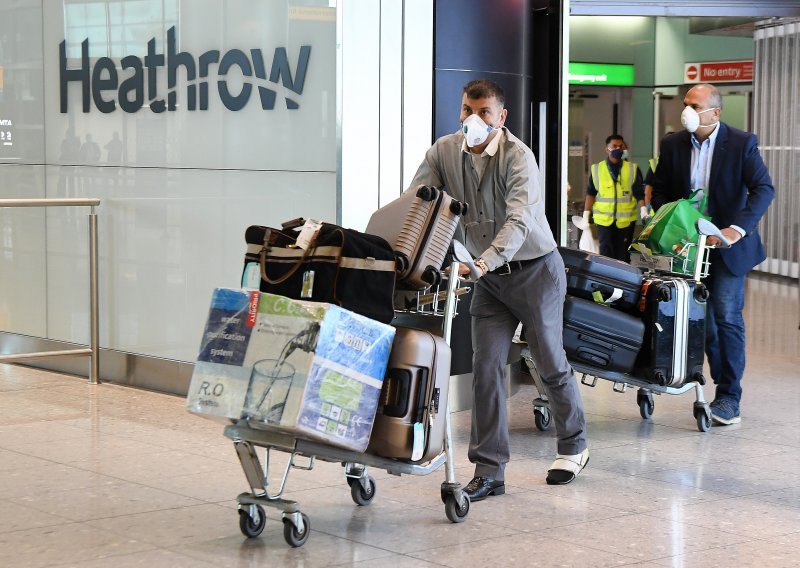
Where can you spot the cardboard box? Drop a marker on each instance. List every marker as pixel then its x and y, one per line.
pixel 220 377
pixel 309 369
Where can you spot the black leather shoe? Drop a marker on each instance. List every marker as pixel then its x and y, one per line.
pixel 482 487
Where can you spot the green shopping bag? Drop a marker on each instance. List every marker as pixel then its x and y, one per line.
pixel 672 231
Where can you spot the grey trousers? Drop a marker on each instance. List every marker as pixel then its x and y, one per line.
pixel 534 296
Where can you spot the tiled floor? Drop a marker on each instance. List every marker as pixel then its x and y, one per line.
pixel 105 475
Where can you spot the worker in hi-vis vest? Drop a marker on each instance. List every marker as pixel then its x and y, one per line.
pixel 615 199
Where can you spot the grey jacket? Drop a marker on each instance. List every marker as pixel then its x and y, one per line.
pixel 506 219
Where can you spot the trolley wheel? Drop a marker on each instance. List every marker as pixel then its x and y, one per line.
pixel 361 496
pixel 703 418
pixel 703 422
pixel 455 513
pixel 252 527
pixel 646 404
pixel 542 418
pixel 292 536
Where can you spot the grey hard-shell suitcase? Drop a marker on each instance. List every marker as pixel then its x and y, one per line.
pixel 419 225
pixel 409 423
pixel 600 336
pixel 674 313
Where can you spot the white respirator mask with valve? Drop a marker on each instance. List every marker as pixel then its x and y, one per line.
pixel 476 131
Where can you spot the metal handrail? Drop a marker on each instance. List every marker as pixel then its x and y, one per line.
pixel 94 348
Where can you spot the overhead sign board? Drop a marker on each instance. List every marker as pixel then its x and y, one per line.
pixel 614 74
pixel 719 72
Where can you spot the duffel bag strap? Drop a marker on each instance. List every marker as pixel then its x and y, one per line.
pixel 306 254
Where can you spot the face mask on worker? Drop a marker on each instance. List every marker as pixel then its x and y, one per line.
pixel 475 130
pixel 617 153
pixel 690 119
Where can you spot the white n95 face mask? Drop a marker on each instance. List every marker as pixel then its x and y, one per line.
pixel 475 130
pixel 690 119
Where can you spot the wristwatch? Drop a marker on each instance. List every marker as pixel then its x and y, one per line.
pixel 480 263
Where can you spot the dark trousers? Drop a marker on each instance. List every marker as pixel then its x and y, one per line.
pixel 725 340
pixel 614 242
pixel 534 296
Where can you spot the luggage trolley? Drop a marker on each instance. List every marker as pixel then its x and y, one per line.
pixel 654 265
pixel 434 302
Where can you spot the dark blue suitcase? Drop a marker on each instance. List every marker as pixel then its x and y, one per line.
pixel 591 275
pixel 599 336
pixel 674 313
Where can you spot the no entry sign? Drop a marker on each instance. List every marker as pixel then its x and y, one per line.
pixel 719 72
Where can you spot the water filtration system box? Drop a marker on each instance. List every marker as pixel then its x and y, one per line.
pixel 220 378
pixel 309 369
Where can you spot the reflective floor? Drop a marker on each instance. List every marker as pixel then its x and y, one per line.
pixel 105 475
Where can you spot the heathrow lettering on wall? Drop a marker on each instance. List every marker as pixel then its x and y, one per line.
pixel 99 81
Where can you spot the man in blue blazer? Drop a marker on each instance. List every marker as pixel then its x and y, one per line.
pixel 726 164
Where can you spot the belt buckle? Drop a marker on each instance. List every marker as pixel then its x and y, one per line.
pixel 506 269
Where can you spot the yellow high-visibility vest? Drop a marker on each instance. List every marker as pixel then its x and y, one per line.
pixel 614 202
pixel 653 164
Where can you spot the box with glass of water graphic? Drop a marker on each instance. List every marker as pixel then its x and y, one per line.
pixel 309 369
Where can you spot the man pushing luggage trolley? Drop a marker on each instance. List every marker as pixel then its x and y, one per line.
pixel 520 279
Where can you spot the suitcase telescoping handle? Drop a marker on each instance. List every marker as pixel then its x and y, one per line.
pixel 422 399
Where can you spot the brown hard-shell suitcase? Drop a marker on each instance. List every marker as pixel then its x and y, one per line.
pixel 409 423
pixel 419 225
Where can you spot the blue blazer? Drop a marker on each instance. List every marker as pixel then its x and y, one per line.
pixel 739 188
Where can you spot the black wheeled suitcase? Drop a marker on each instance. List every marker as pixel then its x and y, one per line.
pixel 600 278
pixel 674 313
pixel 409 423
pixel 601 337
pixel 420 227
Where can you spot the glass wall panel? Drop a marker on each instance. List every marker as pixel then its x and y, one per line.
pixel 190 120
pixel 776 121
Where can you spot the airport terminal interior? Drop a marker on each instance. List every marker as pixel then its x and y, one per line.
pixel 107 475
pixel 120 474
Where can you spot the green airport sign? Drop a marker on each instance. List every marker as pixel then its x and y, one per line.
pixel 600 74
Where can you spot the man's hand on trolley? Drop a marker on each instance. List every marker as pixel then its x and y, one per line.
pixel 464 270
pixel 729 233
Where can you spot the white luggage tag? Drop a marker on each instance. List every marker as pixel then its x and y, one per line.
pixel 419 442
pixel 251 279
pixel 308 233
pixel 615 295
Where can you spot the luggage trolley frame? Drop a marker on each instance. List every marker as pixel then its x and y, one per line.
pixel 644 395
pixel 296 526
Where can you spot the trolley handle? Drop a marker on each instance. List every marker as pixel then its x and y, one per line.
pixel 462 255
pixel 705 229
pixel 708 229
